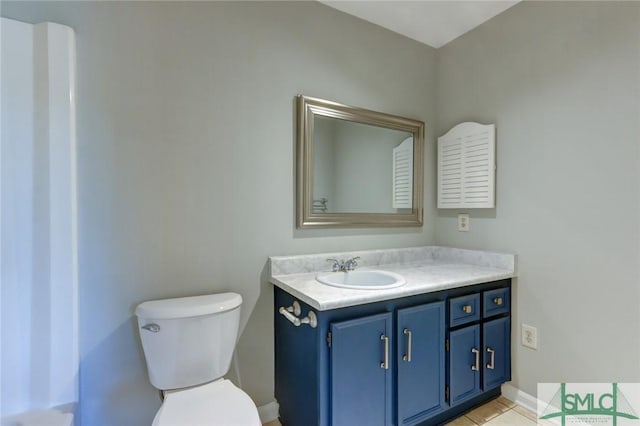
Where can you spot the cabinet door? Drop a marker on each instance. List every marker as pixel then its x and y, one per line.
pixel 465 363
pixel 420 334
pixel 497 353
pixel 361 371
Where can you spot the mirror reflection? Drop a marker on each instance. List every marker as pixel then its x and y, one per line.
pixel 354 167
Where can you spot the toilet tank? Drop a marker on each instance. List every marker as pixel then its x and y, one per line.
pixel 189 340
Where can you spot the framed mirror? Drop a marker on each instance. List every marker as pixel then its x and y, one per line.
pixel 357 167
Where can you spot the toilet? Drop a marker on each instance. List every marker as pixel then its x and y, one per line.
pixel 188 343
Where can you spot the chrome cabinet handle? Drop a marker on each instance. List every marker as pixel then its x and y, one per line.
pixel 154 328
pixel 497 301
pixel 467 309
pixel 385 364
pixel 407 357
pixel 492 358
pixel 476 363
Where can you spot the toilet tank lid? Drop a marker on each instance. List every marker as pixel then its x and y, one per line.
pixel 185 307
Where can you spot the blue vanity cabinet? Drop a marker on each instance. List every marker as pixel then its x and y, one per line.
pixel 360 377
pixel 480 346
pixel 420 357
pixel 496 337
pixel 363 362
pixel 397 362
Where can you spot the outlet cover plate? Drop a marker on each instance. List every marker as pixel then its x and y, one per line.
pixel 463 222
pixel 529 336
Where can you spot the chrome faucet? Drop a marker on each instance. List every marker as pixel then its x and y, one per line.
pixel 344 265
pixel 351 264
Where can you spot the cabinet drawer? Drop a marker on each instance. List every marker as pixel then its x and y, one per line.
pixel 496 302
pixel 464 309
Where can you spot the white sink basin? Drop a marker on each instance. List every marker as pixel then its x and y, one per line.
pixel 362 280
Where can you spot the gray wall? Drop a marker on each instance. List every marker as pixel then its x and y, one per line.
pixel 186 152
pixel 562 83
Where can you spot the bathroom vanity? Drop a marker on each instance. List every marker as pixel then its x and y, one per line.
pixel 420 353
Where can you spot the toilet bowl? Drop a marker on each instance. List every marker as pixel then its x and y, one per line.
pixel 218 403
pixel 188 343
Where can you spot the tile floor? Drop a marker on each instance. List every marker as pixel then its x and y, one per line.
pixel 499 412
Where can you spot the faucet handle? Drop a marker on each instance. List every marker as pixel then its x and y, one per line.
pixel 336 264
pixel 351 264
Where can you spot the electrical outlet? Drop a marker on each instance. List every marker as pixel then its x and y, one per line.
pixel 463 222
pixel 529 336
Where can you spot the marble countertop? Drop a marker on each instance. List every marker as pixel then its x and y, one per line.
pixel 425 269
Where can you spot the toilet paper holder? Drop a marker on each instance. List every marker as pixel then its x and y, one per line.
pixel 292 313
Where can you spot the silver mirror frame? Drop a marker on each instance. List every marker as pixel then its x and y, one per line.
pixel 307 109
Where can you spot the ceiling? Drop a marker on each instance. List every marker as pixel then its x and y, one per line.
pixel 434 23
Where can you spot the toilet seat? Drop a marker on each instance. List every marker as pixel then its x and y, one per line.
pixel 218 403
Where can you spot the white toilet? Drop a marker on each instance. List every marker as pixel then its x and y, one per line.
pixel 188 343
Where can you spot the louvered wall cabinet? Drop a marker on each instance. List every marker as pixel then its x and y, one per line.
pixel 467 167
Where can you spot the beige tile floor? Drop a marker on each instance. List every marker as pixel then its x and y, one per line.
pixel 499 412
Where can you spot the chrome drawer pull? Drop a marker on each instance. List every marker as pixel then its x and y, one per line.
pixel 467 309
pixel 407 357
pixel 385 364
pixel 476 364
pixel 497 301
pixel 492 358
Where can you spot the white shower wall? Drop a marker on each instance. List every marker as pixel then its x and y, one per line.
pixel 38 298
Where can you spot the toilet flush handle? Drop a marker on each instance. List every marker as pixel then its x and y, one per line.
pixel 154 328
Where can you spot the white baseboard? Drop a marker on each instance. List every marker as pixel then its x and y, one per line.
pixel 514 394
pixel 268 412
